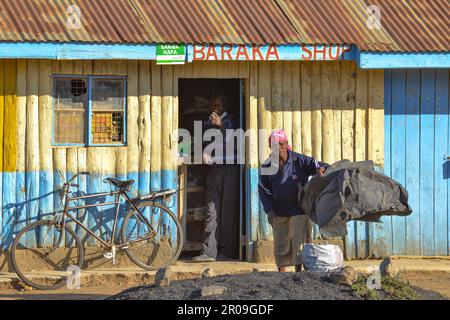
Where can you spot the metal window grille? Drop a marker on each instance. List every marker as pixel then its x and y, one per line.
pixel 71 106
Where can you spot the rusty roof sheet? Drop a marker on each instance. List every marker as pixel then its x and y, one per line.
pixel 406 25
pixel 112 21
pixel 216 21
pixel 147 21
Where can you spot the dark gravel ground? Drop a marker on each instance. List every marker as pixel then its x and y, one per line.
pixel 252 286
pixel 258 286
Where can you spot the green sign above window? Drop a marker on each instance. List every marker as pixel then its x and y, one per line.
pixel 170 54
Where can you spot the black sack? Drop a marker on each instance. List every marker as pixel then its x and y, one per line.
pixel 351 191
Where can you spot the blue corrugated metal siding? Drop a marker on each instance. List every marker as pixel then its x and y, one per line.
pixel 416 149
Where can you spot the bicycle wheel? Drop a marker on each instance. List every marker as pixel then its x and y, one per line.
pixel 152 250
pixel 40 257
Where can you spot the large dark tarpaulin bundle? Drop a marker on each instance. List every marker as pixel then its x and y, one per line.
pixel 351 191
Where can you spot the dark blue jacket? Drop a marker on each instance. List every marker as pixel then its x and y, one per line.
pixel 279 192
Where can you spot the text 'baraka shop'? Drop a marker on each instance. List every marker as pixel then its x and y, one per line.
pixel 303 52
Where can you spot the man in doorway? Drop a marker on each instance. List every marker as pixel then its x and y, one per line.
pixel 221 233
pixel 279 196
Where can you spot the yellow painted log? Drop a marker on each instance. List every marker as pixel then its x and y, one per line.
pixel 376 117
pixel 200 69
pixel 277 95
pixel 45 116
pixel 335 84
pixel 287 93
pixel 10 143
pixel 188 70
pixel 361 114
pixel 222 69
pixel 66 66
pixel 306 115
pixel 296 107
pixel 177 73
pixel 264 106
pixel 327 113
pixel 144 125
pixel 155 165
pixel 132 122
pixel 252 115
pixel 166 124
pixel 2 109
pixel 233 70
pixel 316 104
pixel 56 66
pixel 348 68
pixel 244 69
pixel 102 67
pixel 32 121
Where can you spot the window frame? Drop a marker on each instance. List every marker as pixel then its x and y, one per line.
pixel 89 112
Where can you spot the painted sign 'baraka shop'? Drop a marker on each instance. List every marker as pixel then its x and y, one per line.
pixel 270 52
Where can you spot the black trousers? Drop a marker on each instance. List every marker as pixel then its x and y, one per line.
pixel 221 233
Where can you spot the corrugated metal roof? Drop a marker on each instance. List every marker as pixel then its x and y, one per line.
pixel 45 20
pixel 216 21
pixel 406 25
pixel 147 21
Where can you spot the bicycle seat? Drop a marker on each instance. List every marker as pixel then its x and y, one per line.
pixel 122 184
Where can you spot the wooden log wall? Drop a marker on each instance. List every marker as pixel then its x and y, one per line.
pixel 330 110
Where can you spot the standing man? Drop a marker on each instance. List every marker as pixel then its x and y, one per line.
pixel 279 195
pixel 222 224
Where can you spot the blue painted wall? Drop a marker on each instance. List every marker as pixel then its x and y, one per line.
pixel 416 149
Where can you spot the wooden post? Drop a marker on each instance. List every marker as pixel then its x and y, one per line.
pixel 252 205
pixel 45 139
pixel 144 127
pixel 287 93
pixel 327 113
pixel 277 95
pixel 32 144
pixel 296 107
pixel 360 149
pixel 264 123
pixel 155 165
pixel 337 104
pixel 10 147
pixel 306 116
pixel 132 124
pixel 316 104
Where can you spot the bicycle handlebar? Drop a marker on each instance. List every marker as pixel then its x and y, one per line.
pixel 86 173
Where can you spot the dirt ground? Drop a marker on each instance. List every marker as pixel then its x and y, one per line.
pixel 103 283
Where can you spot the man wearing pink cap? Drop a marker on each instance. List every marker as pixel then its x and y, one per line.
pixel 278 193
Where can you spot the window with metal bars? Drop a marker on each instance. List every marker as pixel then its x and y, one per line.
pixel 89 110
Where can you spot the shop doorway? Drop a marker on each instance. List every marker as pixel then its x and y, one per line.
pixel 195 97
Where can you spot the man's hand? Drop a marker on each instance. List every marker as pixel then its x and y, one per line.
pixel 271 216
pixel 215 119
pixel 320 171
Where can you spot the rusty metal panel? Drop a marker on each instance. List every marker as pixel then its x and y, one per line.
pixel 413 25
pixel 113 21
pixel 216 21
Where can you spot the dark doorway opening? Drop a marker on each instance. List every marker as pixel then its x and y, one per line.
pixel 195 96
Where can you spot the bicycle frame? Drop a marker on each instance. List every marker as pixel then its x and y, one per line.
pixel 119 194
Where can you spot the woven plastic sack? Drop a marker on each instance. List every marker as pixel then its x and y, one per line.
pixel 322 257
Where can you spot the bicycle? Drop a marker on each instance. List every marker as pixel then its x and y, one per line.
pixel 151 236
